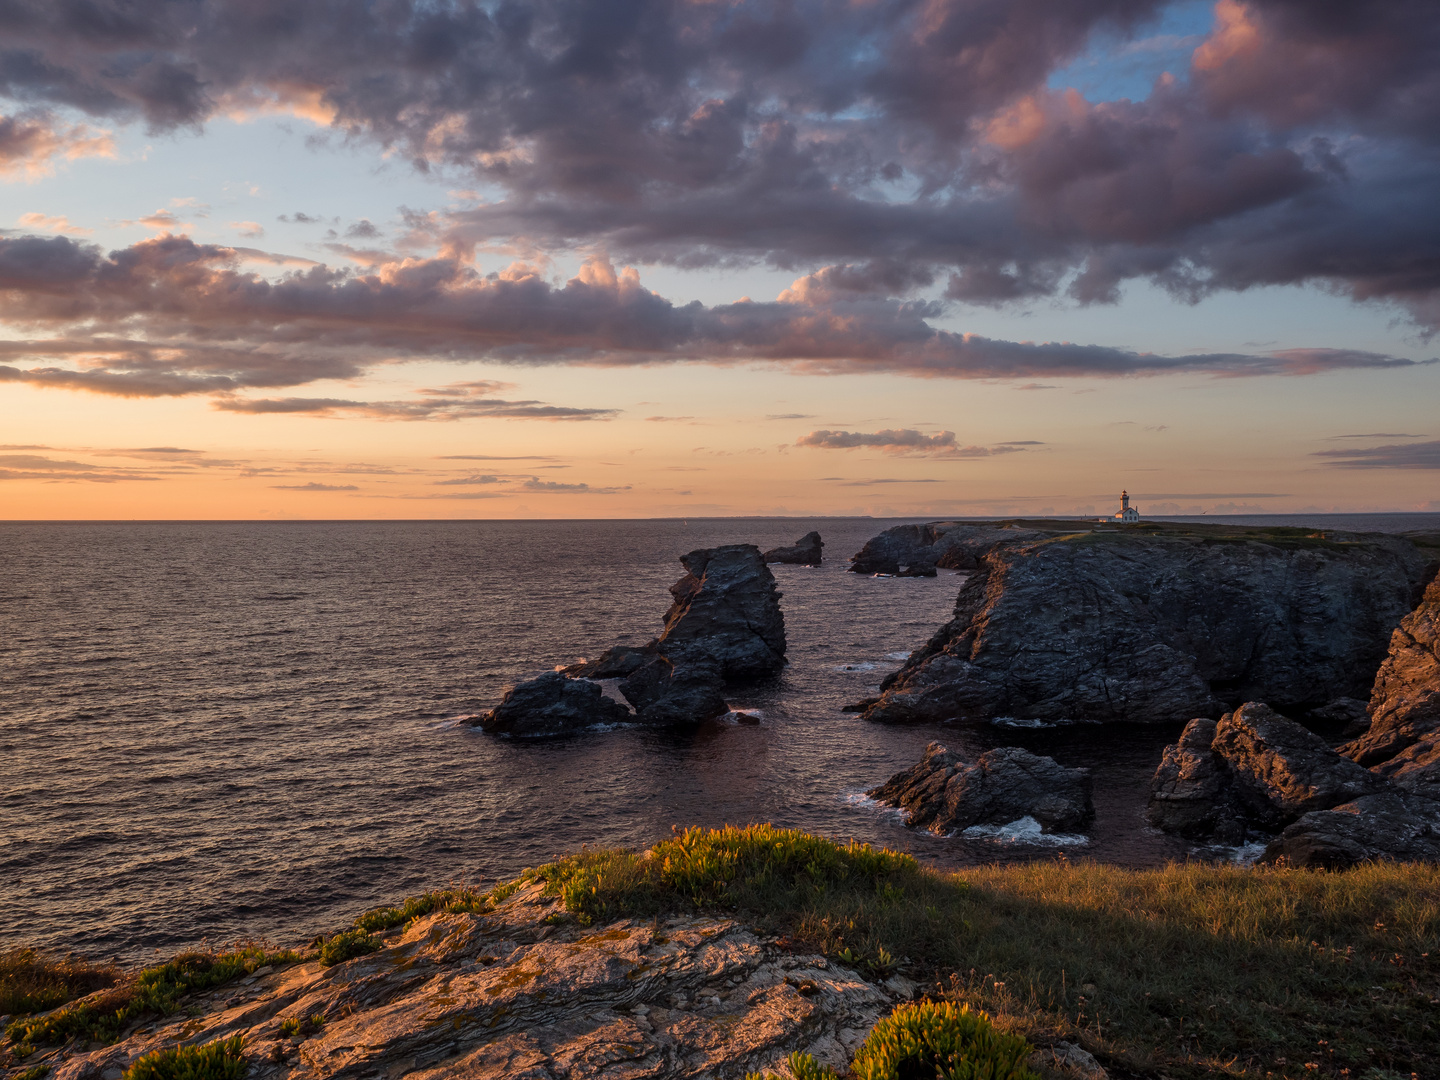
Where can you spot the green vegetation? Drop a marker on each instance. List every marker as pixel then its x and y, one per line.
pixel 1191 969
pixel 302 1026
pixel 35 1072
pixel 347 945
pixel 32 982
pixel 218 1060
pixel 414 907
pixel 155 991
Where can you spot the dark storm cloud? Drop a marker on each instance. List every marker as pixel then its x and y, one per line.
pixel 169 316
pixel 1423 455
pixel 905 143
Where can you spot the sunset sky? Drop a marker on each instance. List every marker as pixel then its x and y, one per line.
pixel 404 259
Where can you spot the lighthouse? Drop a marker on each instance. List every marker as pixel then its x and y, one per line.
pixel 1128 515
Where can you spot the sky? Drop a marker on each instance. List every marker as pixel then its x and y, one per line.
pixel 664 258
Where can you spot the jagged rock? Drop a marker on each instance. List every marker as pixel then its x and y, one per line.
pixel 1118 626
pixel 1392 825
pixel 1351 714
pixel 804 552
pixel 1416 768
pixel 615 662
pixel 1254 771
pixel 1405 701
pixel 505 996
pixel 916 550
pixel 944 793
pixel 1192 791
pixel 552 704
pixel 665 692
pixel 726 610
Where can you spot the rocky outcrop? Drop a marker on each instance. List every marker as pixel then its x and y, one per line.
pixel 726 610
pixel 666 692
pixel 552 704
pixel 1405 700
pixel 615 662
pixel 916 550
pixel 1118 626
pixel 1393 825
pixel 804 552
pixel 1192 792
pixel 505 995
pixel 944 793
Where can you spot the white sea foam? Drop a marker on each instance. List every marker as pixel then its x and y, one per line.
pixel 862 801
pixel 897 656
pixel 1026 830
pixel 1030 722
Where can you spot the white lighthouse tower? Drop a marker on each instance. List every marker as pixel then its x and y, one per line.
pixel 1128 515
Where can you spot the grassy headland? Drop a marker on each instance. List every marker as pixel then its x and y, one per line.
pixel 1182 971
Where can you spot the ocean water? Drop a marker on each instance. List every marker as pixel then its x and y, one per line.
pixel 217 731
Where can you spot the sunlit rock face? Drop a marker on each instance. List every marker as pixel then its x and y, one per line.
pixel 1113 626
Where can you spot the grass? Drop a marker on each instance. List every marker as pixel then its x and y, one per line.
pixel 1187 970
pixel 155 991
pixel 32 982
pixel 459 898
pixel 219 1060
pixel 347 945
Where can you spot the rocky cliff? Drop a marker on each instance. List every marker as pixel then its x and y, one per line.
pixel 916 550
pixel 1161 625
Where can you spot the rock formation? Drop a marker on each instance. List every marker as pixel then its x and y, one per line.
pixel 944 793
pixel 1253 772
pixel 726 610
pixel 916 550
pixel 507 996
pixel 668 692
pixel 552 704
pixel 615 662
pixel 1119 626
pixel 1403 740
pixel 804 552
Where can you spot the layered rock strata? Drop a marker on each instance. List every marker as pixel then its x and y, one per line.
pixel 807 551
pixel 1117 626
pixel 944 793
pixel 1403 740
pixel 916 550
pixel 506 995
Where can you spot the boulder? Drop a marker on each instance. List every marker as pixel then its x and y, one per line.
pixel 552 704
pixel 1393 825
pixel 1252 772
pixel 1351 714
pixel 666 692
pixel 916 550
pixel 1416 768
pixel 1405 700
pixel 615 662
pixel 804 552
pixel 1148 627
pixel 726 610
pixel 943 793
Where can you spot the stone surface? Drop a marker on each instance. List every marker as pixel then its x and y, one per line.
pixel 727 610
pixel 1416 768
pixel 804 552
pixel 944 793
pixel 1192 792
pixel 1131 626
pixel 615 662
pixel 1405 700
pixel 916 550
pixel 503 995
pixel 552 704
pixel 665 692
pixel 1394 825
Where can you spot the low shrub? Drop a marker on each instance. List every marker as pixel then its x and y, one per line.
pixel 219 1060
pixel 156 990
pixel 450 900
pixel 938 1039
pixel 35 1072
pixel 347 945
pixel 32 982
pixel 296 1025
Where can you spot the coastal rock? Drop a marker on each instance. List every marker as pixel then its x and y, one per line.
pixel 506 996
pixel 615 662
pixel 804 552
pixel 1148 628
pixel 664 692
pixel 916 550
pixel 1252 772
pixel 552 704
pixel 1392 825
pixel 1416 768
pixel 726 610
pixel 1405 700
pixel 944 793
pixel 1352 714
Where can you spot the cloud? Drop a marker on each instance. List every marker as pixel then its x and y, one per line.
pixel 905 441
pixel 668 419
pixel 37 467
pixel 54 224
pixel 251 230
pixel 1379 435
pixel 430 409
pixel 31 143
pixel 868 483
pixel 465 480
pixel 790 416
pixel 554 487
pixel 1424 455
pixel 314 487
pixel 495 457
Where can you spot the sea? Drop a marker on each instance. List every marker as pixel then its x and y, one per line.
pixel 222 731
